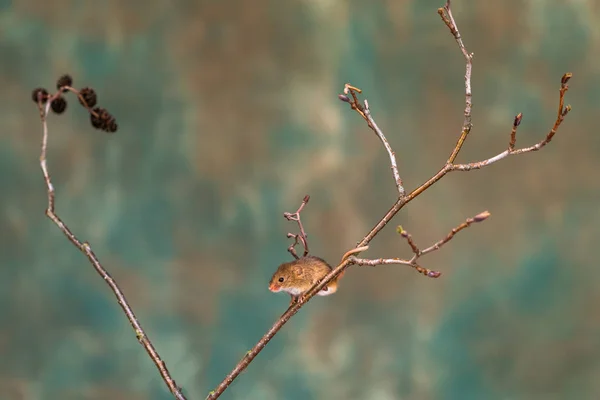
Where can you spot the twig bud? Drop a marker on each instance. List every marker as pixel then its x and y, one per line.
pixel 518 119
pixel 481 216
pixel 565 78
pixel 566 110
pixel 344 98
pixel 306 199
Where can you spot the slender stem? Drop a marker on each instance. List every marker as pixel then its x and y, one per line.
pixel 446 15
pixel 85 248
pixel 388 148
pixel 302 236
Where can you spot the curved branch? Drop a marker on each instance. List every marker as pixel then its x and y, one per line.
pixel 86 249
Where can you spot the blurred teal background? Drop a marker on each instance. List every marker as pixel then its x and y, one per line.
pixel 228 115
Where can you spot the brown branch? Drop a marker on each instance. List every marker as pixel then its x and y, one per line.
pixel 446 15
pixel 302 237
pixel 513 133
pixel 86 249
pixel 365 112
pixel 419 253
pixel 561 114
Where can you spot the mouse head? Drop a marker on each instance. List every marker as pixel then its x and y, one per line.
pixel 289 278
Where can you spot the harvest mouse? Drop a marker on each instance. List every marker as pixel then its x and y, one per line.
pixel 298 276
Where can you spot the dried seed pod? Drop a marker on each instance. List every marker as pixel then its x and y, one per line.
pixel 39 91
pixel 101 119
pixel 112 126
pixel 59 105
pixel 63 81
pixel 96 117
pixel 89 97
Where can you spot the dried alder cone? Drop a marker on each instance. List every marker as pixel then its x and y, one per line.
pixel 100 118
pixel 88 97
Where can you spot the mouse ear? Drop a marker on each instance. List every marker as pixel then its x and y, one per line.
pixel 297 270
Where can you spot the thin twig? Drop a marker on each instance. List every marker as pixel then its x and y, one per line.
pixel 365 112
pixel 302 236
pixel 85 248
pixel 446 15
pixel 561 114
pixel 482 216
pixel 419 253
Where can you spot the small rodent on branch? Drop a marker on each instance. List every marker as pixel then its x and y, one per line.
pixel 298 276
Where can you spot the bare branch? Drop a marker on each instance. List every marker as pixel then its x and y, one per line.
pixel 447 17
pixel 482 216
pixel 419 253
pixel 409 239
pixel 109 125
pixel 365 112
pixel 386 261
pixel 561 114
pixel 302 236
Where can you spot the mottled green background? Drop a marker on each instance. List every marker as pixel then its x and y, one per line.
pixel 228 116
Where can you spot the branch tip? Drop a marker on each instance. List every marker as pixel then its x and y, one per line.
pixel 349 88
pixel 482 216
pixel 344 98
pixel 434 274
pixel 518 119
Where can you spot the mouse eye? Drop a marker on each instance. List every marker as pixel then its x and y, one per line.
pixel 281 279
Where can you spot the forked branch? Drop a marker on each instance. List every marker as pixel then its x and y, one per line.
pixel 350 96
pixel 417 253
pixel 301 237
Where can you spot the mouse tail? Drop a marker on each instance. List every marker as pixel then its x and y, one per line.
pixel 354 251
pixel 350 253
